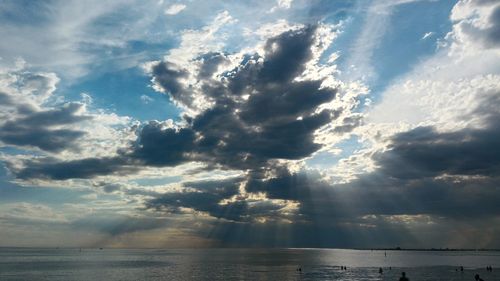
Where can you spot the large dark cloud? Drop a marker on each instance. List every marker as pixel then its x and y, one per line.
pixel 37 128
pixel 429 185
pixel 276 121
pixel 438 184
pixel 286 55
pixel 49 168
pixel 452 174
pixel 26 122
pixel 424 152
pixel 159 146
pixel 259 112
pixel 377 194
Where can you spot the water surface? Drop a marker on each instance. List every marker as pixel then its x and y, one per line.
pixel 242 264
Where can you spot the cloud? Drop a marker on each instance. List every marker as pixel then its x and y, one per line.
pixel 427 35
pixel 257 106
pixel 35 129
pixel 146 99
pixel 445 144
pixel 175 9
pixel 440 90
pixel 424 152
pixel 34 117
pixel 203 197
pixel 160 146
pixel 222 199
pixel 375 25
pixel 301 209
pixel 194 43
pixel 85 29
pixel 167 76
pixel 50 168
pixel 282 4
pixel 259 113
pixel 435 119
pixel 285 4
pixel 424 183
pixel 477 22
pixel 25 121
pixel 28 213
pixel 421 169
pixel 430 164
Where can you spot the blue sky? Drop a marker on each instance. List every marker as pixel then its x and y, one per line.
pixel 192 123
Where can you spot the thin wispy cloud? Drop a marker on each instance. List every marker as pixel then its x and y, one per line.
pixel 427 35
pixel 175 9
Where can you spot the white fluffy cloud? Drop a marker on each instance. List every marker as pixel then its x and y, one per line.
pixel 443 89
pixel 476 26
pixel 446 91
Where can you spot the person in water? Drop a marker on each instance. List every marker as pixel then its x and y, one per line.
pixel 380 270
pixel 403 277
pixel 478 278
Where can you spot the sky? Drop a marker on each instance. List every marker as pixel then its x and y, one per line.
pixel 289 123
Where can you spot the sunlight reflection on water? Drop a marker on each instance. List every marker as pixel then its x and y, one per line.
pixel 241 264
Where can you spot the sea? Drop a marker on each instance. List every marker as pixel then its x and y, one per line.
pixel 243 264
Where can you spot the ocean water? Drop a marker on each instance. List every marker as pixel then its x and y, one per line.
pixel 242 264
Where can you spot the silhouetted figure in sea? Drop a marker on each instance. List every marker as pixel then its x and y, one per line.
pixel 461 269
pixel 380 270
pixel 403 277
pixel 299 269
pixel 477 278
